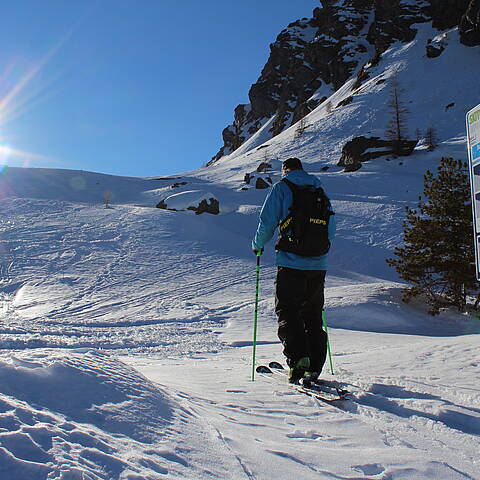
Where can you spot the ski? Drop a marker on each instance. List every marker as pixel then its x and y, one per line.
pixel 336 399
pixel 327 386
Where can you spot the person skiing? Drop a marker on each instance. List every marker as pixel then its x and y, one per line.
pixel 299 286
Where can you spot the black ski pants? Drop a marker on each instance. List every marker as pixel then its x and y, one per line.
pixel 299 302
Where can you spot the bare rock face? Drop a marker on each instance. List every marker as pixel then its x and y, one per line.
pixel 330 47
pixel 447 13
pixel 470 25
pixel 394 20
pixel 304 56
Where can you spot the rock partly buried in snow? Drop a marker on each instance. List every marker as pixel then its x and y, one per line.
pixel 261 184
pixel 264 167
pixel 436 46
pixel 362 149
pixel 259 180
pixel 199 201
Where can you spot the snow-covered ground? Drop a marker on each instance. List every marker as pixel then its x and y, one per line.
pixel 126 345
pixel 126 332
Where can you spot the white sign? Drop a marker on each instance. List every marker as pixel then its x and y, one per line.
pixel 473 138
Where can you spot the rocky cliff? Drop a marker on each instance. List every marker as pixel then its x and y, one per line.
pixel 314 57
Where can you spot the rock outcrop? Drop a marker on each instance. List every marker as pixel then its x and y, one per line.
pixel 362 149
pixel 314 57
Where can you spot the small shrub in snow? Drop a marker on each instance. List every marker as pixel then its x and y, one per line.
pixel 107 198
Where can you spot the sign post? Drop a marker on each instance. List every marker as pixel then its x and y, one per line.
pixel 473 139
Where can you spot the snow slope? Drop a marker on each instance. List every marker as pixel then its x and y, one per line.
pixel 95 301
pixel 126 332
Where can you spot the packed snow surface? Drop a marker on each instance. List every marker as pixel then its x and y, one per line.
pixel 126 332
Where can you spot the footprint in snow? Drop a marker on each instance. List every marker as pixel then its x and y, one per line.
pixel 310 435
pixel 369 469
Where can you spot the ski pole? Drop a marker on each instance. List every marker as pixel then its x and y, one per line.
pixel 324 317
pixel 255 315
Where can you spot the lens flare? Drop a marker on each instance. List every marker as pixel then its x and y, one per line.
pixel 7 153
pixel 24 95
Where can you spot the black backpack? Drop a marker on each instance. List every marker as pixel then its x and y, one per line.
pixel 305 230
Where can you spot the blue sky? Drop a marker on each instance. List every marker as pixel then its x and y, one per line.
pixel 129 87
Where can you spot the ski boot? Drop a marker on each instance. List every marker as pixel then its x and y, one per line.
pixel 297 371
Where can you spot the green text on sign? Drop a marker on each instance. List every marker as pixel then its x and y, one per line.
pixel 473 117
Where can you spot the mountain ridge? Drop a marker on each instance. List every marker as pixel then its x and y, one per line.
pixel 314 57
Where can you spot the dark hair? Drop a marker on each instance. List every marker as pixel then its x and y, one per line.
pixel 292 163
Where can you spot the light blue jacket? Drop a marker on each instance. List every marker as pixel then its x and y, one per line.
pixel 275 209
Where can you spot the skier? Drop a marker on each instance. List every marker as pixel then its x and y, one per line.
pixel 299 295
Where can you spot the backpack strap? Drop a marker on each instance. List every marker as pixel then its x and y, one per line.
pixel 292 185
pixel 285 223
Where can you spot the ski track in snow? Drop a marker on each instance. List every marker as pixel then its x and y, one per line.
pixel 95 281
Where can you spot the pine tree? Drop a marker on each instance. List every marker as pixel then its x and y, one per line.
pixel 397 126
pixel 438 253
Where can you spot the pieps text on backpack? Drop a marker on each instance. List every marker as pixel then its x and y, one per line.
pixel 304 231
